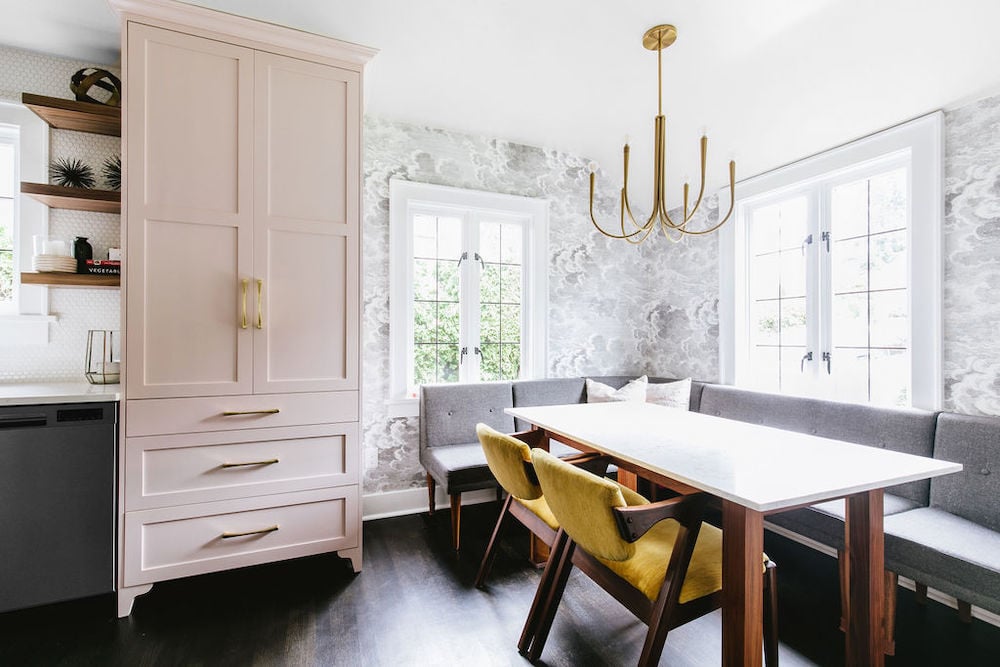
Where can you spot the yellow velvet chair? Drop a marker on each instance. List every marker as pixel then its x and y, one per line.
pixel 658 559
pixel 509 459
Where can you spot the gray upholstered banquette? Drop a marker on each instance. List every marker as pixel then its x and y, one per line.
pixel 953 545
pixel 944 532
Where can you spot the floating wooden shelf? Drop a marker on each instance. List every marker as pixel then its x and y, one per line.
pixel 72 115
pixel 70 279
pixel 77 199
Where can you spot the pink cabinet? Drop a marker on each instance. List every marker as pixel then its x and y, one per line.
pixel 243 229
pixel 242 204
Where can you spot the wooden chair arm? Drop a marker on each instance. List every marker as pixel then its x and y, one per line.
pixel 634 522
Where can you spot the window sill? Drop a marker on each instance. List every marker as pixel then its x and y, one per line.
pixel 25 329
pixel 403 407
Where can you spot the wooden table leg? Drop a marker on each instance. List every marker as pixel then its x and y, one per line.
pixel 866 565
pixel 742 586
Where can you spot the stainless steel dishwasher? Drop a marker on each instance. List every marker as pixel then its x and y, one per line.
pixel 57 491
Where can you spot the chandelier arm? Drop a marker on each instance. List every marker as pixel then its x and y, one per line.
pixel 593 218
pixel 647 231
pixel 680 234
pixel 732 204
pixel 701 188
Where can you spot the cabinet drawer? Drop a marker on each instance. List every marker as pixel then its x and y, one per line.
pixel 163 416
pixel 178 469
pixel 193 539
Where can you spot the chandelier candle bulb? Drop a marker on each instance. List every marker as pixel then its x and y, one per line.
pixel 656 39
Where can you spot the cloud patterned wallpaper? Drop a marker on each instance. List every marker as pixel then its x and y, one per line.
pixel 608 313
pixel 971 310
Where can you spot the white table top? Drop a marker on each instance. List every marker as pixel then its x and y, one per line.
pixel 755 466
pixel 58 392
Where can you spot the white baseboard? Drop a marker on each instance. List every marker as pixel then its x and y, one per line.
pixel 937 596
pixel 414 501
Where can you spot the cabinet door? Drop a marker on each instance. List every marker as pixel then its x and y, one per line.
pixel 189 215
pixel 306 225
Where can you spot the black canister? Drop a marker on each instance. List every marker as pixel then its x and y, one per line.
pixel 82 251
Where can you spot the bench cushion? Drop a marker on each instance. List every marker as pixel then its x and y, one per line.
pixel 463 467
pixel 973 493
pixel 954 555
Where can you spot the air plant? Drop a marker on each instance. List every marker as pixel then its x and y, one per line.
pixel 112 171
pixel 72 173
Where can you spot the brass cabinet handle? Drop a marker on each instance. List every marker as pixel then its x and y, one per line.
pixel 264 462
pixel 260 303
pixel 270 529
pixel 233 413
pixel 243 323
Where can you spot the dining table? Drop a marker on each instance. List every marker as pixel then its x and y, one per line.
pixel 754 471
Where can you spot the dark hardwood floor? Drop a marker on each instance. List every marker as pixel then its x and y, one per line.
pixel 414 604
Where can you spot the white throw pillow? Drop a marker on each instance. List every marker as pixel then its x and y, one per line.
pixel 635 390
pixel 671 394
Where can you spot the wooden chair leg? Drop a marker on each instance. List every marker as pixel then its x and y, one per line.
pixel 920 592
pixel 891 581
pixel 431 487
pixel 964 611
pixel 534 614
pixel 551 602
pixel 771 615
pixel 491 548
pixel 456 519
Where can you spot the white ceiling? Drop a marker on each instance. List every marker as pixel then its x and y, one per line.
pixel 773 80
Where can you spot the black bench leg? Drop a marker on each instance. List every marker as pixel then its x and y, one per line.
pixel 431 484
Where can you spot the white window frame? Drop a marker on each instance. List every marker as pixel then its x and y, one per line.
pixel 407 198
pixel 918 143
pixel 26 321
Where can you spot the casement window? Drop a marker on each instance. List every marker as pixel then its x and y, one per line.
pixel 24 150
pixel 831 273
pixel 468 288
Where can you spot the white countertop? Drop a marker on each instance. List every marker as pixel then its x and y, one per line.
pixel 58 392
pixel 761 468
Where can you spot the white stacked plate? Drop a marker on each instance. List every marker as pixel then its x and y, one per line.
pixel 53 264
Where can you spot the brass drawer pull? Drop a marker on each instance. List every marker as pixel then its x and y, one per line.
pixel 270 529
pixel 243 321
pixel 234 413
pixel 265 462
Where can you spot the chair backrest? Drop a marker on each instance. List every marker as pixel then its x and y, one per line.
pixel 582 503
pixel 506 456
pixel 973 493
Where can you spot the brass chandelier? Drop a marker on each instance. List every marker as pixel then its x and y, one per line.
pixel 656 39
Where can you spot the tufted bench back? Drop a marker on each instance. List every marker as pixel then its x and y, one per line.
pixel 449 412
pixel 974 493
pixel 900 429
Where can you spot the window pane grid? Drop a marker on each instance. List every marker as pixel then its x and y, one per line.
pixel 870 318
